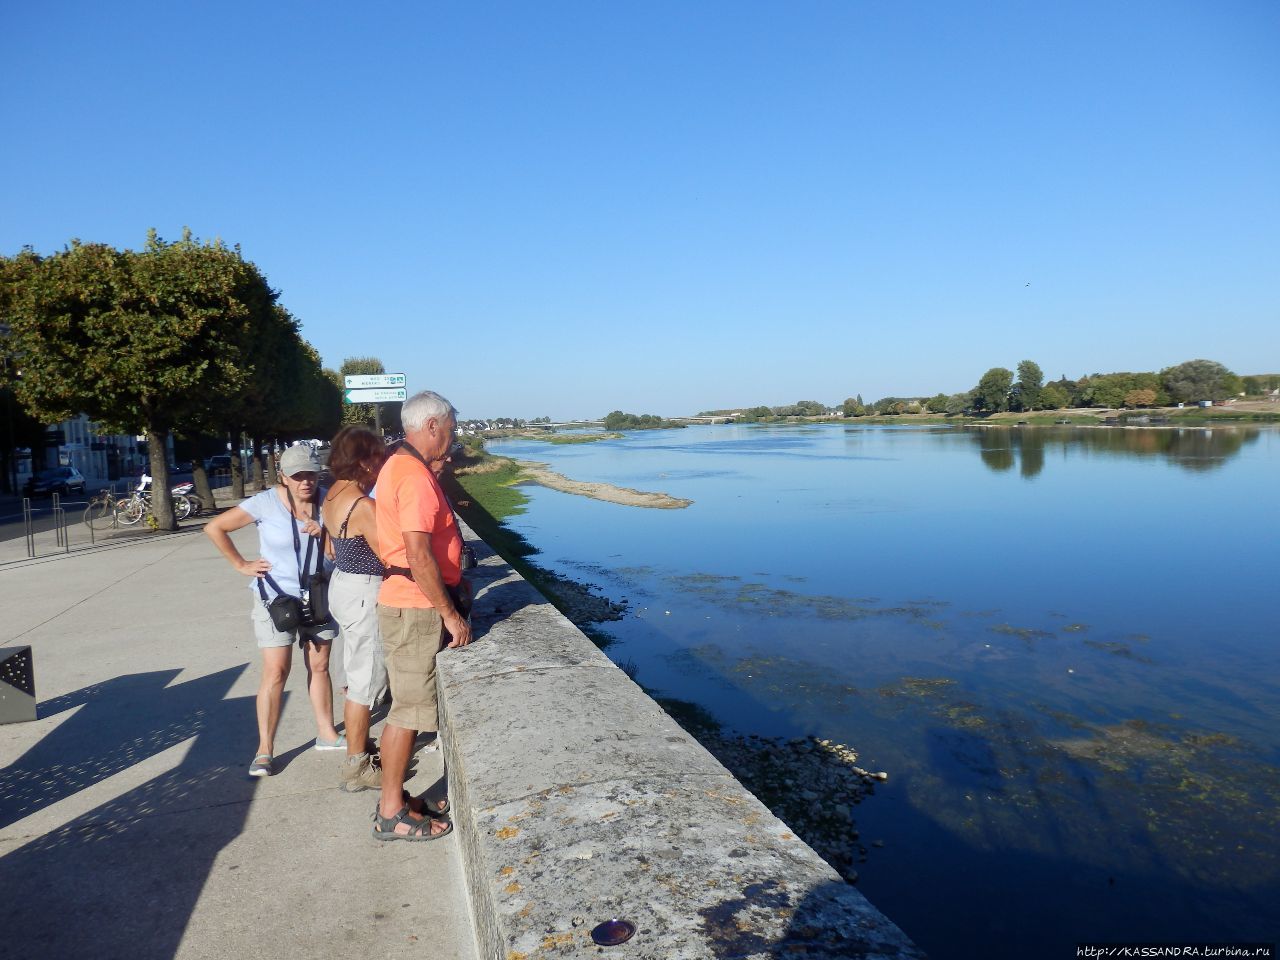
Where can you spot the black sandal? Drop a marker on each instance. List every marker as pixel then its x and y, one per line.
pixel 384 828
pixel 439 813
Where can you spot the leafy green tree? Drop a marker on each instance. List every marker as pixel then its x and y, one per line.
pixel 617 420
pixel 1070 388
pixel 1110 389
pixel 1199 380
pixel 1026 392
pixel 958 403
pixel 141 341
pixel 367 414
pixel 854 407
pixel 991 395
pixel 1054 397
pixel 937 403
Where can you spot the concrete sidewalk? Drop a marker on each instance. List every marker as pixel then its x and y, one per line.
pixel 128 826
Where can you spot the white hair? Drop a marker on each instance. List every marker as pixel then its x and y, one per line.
pixel 421 407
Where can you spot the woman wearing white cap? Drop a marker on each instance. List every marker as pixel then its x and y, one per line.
pixel 288 521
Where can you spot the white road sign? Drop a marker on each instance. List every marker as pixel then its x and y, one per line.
pixel 369 381
pixel 382 395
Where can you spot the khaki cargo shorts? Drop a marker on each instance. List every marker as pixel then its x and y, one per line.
pixel 411 638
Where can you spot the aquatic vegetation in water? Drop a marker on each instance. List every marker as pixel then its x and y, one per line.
pixel 1026 634
pixel 1210 802
pixel 760 599
pixel 1117 649
pixel 1075 628
pixel 795 680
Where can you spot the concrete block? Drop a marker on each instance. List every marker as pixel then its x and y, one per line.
pixel 17 685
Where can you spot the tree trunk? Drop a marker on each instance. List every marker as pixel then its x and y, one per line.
pixel 272 475
pixel 259 476
pixel 200 477
pixel 237 469
pixel 161 498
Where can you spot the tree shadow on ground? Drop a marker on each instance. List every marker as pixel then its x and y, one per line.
pixel 123 879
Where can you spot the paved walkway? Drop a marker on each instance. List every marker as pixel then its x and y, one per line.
pixel 128 827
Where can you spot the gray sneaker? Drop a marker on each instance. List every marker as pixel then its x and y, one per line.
pixel 360 773
pixel 261 766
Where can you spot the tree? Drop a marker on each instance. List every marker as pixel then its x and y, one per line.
pixel 1054 397
pixel 1110 389
pixel 991 395
pixel 363 413
pixel 937 404
pixel 138 340
pixel 1200 380
pixel 958 403
pixel 1026 392
pixel 854 407
pixel 1139 398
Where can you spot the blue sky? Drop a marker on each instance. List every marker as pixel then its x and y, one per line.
pixel 566 208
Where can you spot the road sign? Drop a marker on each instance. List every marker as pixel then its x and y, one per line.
pixel 369 381
pixel 381 395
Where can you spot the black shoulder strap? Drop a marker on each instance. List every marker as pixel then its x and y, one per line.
pixel 342 531
pixel 304 571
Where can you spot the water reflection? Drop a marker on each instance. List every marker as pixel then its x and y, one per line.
pixel 1193 448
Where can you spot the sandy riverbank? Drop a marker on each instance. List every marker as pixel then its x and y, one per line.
pixel 542 474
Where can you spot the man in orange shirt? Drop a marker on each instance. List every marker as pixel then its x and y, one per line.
pixel 421 548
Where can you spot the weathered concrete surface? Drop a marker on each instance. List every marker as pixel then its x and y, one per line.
pixel 128 826
pixel 579 799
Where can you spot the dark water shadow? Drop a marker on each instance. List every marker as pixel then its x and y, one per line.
pixel 123 879
pixel 1191 448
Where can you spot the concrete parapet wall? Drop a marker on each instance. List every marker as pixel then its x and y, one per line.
pixel 578 799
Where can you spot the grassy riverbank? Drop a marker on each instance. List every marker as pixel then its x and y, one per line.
pixel 483 490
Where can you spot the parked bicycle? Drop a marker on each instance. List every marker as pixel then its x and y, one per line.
pixel 106 509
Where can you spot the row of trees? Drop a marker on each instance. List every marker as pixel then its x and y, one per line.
pixel 183 338
pixel 617 420
pixel 1188 382
pixel 1001 389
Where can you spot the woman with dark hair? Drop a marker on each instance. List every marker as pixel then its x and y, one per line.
pixel 356 455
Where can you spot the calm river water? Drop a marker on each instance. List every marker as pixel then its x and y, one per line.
pixel 1061 643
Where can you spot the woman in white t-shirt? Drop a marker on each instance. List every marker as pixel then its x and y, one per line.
pixel 288 520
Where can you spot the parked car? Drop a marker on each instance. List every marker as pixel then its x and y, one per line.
pixel 59 480
pixel 218 462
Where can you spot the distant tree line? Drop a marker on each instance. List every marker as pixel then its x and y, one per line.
pixel 1000 390
pixel 617 420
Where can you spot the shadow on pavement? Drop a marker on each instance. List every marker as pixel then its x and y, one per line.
pixel 123 879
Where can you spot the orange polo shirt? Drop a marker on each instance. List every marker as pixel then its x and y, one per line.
pixel 408 497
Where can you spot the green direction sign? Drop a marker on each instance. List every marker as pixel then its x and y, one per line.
pixel 371 381
pixel 376 395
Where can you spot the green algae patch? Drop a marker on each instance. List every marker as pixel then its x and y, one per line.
pixel 1117 649
pixel 1207 802
pixel 1026 634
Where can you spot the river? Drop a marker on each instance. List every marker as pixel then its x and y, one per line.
pixel 1059 642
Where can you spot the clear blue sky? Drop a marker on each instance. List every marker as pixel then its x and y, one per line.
pixel 566 208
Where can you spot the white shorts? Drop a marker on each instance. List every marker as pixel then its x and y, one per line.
pixel 353 602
